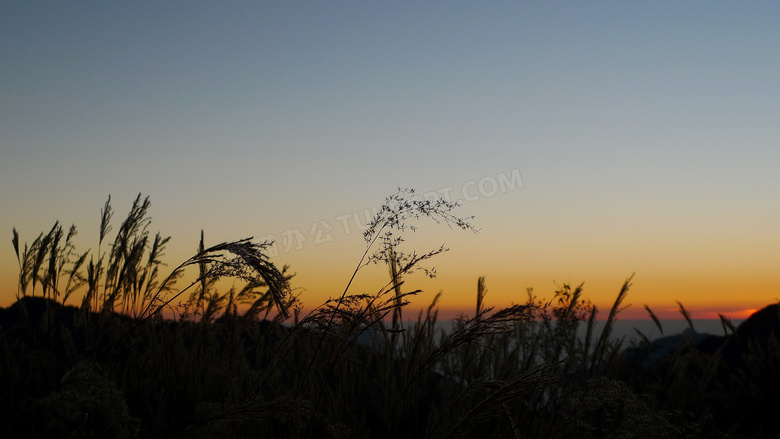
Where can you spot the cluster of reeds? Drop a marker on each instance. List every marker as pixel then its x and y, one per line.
pixel 141 357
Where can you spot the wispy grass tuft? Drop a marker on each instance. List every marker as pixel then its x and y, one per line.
pixel 686 315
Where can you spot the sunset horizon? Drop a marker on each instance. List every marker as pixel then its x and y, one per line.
pixel 537 219
pixel 322 280
pixel 590 143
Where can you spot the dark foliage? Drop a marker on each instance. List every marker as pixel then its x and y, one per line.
pixel 354 366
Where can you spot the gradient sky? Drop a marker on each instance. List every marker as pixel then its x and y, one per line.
pixel 645 133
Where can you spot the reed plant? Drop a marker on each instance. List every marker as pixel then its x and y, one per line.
pixel 141 356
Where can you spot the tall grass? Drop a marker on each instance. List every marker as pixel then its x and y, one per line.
pixel 247 362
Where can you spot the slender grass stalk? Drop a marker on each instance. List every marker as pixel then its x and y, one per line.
pixel 686 315
pixel 727 325
pixel 606 333
pixel 655 319
pixel 481 292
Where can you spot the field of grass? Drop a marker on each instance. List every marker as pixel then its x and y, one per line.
pixel 249 363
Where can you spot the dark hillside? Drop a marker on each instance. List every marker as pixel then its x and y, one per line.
pixel 733 379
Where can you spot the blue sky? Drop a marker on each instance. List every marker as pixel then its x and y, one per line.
pixel 645 132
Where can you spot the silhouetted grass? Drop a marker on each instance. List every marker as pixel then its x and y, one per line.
pixel 352 367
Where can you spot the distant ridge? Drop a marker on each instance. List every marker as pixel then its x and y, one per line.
pixel 747 367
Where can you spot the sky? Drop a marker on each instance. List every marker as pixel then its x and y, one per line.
pixel 590 141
